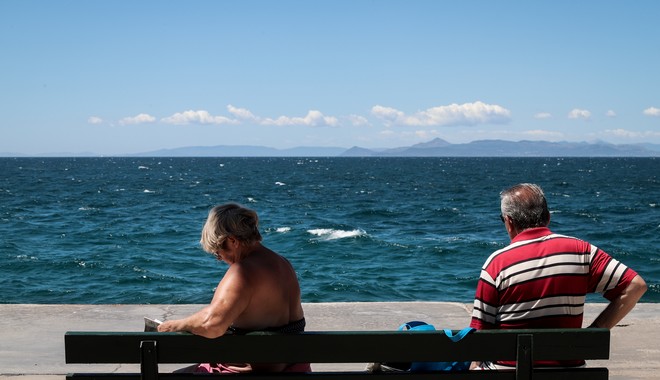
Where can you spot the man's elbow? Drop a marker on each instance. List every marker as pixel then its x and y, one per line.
pixel 211 330
pixel 639 287
pixel 211 334
pixel 210 326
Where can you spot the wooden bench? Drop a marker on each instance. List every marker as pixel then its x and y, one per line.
pixel 151 349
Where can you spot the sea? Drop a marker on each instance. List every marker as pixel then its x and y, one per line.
pixel 126 230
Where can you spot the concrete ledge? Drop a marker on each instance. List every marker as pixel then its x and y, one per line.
pixel 32 336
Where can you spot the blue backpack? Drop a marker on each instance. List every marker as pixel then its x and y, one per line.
pixel 430 366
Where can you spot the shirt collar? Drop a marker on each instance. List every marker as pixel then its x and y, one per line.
pixel 532 233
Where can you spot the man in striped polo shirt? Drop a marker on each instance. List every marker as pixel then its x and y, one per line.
pixel 541 279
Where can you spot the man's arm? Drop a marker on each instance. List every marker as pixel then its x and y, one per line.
pixel 620 306
pixel 230 300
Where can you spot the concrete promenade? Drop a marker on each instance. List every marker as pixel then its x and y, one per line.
pixel 32 336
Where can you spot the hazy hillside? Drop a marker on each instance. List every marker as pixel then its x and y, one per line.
pixel 434 148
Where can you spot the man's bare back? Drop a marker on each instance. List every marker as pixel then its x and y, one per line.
pixel 274 290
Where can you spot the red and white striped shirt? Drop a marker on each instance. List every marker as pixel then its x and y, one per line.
pixel 541 281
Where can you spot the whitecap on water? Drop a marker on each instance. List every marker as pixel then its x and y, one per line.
pixel 332 234
pixel 26 257
pixel 283 229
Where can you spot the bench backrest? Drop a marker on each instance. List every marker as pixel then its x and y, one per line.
pixel 525 346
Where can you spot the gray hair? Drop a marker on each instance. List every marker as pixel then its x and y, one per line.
pixel 525 204
pixel 227 220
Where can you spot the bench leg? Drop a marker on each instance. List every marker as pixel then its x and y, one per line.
pixel 524 358
pixel 148 360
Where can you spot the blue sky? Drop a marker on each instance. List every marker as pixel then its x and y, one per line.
pixel 121 77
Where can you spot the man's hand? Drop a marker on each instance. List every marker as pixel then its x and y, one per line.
pixel 168 326
pixel 621 306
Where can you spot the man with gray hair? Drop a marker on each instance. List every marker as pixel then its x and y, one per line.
pixel 541 279
pixel 258 292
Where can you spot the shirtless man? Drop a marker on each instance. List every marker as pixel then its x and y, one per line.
pixel 259 291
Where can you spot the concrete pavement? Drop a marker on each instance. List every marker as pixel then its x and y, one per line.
pixel 32 336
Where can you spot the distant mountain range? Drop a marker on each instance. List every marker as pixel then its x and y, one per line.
pixel 244 151
pixel 501 148
pixel 434 148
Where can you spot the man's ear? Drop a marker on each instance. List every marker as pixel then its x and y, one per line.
pixel 510 228
pixel 233 241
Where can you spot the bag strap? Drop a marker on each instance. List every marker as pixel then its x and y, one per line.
pixel 459 335
pixel 423 326
pixel 416 325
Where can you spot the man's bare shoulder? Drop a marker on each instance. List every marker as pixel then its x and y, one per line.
pixel 237 277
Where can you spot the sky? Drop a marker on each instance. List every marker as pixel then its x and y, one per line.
pixel 121 77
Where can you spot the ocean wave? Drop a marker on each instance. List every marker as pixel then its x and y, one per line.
pixel 98 233
pixel 332 234
pixel 279 230
pixel 26 257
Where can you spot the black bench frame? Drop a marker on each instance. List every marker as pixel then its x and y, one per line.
pixel 151 349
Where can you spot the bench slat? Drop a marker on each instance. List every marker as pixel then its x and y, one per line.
pixel 544 374
pixel 336 347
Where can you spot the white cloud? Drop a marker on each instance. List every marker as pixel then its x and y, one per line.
pixel 94 120
pixel 241 113
pixel 577 113
pixel 387 113
pixel 357 120
pixel 426 135
pixel 623 133
pixel 451 115
pixel 312 119
pixel 652 111
pixel 543 134
pixel 543 115
pixel 610 113
pixel 632 134
pixel 196 117
pixel 139 119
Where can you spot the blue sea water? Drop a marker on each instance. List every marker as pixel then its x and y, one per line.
pixel 126 230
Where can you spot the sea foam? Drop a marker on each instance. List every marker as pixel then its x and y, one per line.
pixel 332 234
